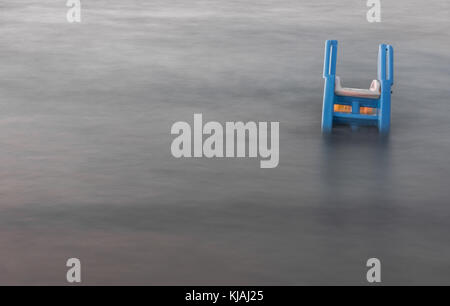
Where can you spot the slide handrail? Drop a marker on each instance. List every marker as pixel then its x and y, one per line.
pixel 386 63
pixel 329 67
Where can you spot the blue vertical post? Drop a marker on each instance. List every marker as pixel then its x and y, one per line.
pixel 329 74
pixel 386 78
pixel 355 110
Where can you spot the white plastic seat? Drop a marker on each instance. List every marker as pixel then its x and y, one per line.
pixel 372 93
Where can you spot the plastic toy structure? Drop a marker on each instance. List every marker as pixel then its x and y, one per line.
pixel 357 106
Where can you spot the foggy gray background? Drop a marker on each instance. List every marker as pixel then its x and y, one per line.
pixel 86 169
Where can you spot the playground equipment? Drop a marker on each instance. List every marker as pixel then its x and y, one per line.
pixel 357 106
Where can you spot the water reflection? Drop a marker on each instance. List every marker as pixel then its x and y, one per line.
pixel 355 162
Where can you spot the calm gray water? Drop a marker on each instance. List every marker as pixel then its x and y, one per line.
pixel 86 169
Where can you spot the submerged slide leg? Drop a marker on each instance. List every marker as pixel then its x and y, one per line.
pixel 329 74
pixel 386 77
pixel 328 103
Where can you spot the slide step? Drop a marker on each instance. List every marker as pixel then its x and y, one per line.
pixel 355 118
